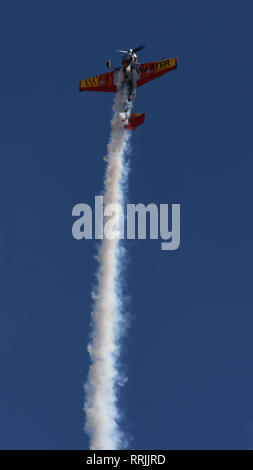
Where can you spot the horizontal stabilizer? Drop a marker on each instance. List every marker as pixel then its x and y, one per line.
pixel 135 120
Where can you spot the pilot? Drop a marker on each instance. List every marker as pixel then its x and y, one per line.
pixel 126 60
pixel 125 64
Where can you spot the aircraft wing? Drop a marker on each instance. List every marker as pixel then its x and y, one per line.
pixel 103 82
pixel 156 69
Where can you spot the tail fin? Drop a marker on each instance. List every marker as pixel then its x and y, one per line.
pixel 135 120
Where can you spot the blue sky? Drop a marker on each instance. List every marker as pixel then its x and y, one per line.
pixel 188 354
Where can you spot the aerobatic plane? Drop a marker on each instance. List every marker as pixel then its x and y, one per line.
pixel 131 74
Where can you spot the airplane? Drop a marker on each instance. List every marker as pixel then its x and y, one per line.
pixel 131 75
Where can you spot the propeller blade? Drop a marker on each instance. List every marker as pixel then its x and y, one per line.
pixel 138 48
pixel 124 52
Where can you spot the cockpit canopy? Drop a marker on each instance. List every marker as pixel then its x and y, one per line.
pixel 127 58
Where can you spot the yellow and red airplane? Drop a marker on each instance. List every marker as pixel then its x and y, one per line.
pixel 133 75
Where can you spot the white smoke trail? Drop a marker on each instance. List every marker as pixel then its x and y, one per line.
pixel 102 415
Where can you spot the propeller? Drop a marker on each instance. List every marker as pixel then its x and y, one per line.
pixel 138 48
pixel 131 50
